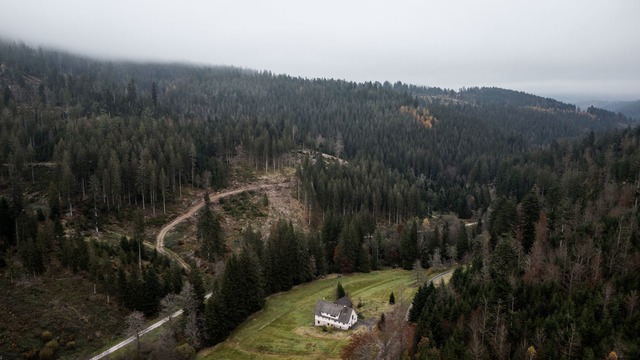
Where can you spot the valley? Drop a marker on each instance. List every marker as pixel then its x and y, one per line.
pixel 132 191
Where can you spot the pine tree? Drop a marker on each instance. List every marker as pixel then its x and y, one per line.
pixel 420 300
pixel 209 232
pixel 195 278
pixel 463 241
pixel 216 323
pixel 528 220
pixel 340 293
pixel 409 245
pixel 132 98
pixel 152 292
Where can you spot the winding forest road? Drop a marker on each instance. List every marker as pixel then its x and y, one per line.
pixel 165 229
pixel 160 247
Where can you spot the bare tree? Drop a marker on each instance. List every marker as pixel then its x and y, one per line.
pixel 452 253
pixel 605 297
pixel 500 342
pixel 190 306
pixel 476 325
pixel 192 330
pixel 435 260
pixel 394 334
pixel 170 304
pixel 419 272
pixel 135 324
pixel 569 340
pixel 362 346
pixel 631 301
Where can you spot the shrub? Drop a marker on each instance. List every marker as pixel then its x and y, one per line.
pixel 46 353
pixel 186 351
pixel 46 335
pixel 381 322
pixel 70 345
pixel 53 344
pixel 30 354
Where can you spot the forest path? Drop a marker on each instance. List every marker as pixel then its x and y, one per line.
pixel 194 209
pixel 160 247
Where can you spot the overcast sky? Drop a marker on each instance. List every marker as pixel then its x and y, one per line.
pixel 557 48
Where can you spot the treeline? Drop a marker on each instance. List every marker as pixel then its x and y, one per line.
pixel 556 275
pixel 287 258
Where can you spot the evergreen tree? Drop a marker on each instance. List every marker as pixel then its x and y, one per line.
pixel 340 293
pixel 420 300
pixel 195 279
pixel 216 324
pixel 209 231
pixel 463 241
pixel 7 95
pixel 528 220
pixel 409 245
pixel 152 292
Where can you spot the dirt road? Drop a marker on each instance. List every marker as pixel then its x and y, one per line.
pixel 194 209
pixel 160 247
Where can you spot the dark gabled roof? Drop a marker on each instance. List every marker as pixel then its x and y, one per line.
pixel 344 301
pixel 336 312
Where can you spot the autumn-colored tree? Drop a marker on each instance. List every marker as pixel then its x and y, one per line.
pixel 361 346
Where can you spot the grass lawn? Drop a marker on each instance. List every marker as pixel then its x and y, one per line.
pixel 284 328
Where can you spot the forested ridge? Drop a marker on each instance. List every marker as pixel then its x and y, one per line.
pixel 550 188
pixel 556 274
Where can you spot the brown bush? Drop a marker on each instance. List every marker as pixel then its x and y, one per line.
pixel 46 335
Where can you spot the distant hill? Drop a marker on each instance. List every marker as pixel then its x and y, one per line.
pixel 533 119
pixel 630 109
pixel 498 96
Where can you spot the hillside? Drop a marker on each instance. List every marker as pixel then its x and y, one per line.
pixel 98 156
pixel 631 109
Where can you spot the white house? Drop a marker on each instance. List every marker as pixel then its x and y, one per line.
pixel 337 314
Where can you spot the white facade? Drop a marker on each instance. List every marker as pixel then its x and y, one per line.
pixel 326 319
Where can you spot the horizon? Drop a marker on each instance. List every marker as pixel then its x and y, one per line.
pixel 578 99
pixel 547 49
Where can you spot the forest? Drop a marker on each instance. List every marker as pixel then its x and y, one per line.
pixel 387 175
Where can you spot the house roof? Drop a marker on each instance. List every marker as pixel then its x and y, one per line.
pixel 339 313
pixel 344 301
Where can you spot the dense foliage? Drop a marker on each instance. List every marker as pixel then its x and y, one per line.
pixel 561 278
pixel 554 217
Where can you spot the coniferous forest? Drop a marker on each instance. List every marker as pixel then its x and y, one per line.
pixel 534 200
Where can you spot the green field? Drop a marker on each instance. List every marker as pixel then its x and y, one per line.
pixel 284 328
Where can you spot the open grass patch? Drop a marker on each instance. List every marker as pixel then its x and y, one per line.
pixel 284 328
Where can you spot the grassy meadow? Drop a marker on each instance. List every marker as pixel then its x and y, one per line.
pixel 284 328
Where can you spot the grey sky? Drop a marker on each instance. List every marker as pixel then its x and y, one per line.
pixel 561 47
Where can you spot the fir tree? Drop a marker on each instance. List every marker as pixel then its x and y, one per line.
pixel 340 293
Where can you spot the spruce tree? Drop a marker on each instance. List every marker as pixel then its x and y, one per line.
pixel 340 293
pixel 409 245
pixel 528 220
